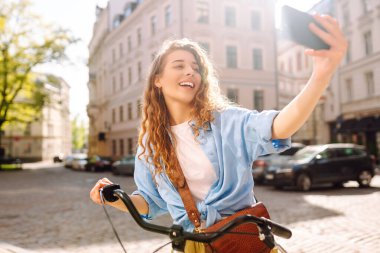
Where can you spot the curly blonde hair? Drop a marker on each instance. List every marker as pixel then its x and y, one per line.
pixel 156 138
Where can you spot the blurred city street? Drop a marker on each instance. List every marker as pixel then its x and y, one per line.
pixel 46 208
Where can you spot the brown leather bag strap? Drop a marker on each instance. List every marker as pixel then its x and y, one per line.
pixel 187 198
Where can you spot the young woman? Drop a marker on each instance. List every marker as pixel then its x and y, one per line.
pixel 185 116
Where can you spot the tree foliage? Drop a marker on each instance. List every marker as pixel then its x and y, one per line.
pixel 25 42
pixel 79 134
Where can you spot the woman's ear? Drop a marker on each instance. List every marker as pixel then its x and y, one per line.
pixel 157 82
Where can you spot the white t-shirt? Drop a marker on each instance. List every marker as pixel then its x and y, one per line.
pixel 196 167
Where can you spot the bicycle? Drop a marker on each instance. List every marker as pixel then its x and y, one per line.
pixel 176 233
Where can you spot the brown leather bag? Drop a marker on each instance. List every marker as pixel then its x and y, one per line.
pixel 244 243
pixel 228 243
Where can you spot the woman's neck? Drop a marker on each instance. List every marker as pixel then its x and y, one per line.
pixel 179 113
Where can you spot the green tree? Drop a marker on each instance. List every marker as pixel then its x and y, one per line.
pixel 25 42
pixel 79 134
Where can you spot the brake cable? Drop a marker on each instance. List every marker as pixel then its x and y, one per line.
pixel 110 221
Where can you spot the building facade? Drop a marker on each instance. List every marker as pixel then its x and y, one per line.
pixel 238 36
pixel 47 136
pixel 350 109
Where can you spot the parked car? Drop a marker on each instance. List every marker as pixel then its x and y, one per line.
pixel 125 166
pixel 10 163
pixel 58 158
pixel 68 160
pixel 262 163
pixel 79 163
pixel 98 163
pixel 320 164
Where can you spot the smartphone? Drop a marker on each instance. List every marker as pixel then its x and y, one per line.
pixel 295 26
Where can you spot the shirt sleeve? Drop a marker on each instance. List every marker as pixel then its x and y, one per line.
pixel 261 124
pixel 252 130
pixel 147 188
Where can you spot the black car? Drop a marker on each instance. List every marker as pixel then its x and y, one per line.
pixel 262 163
pixel 320 164
pixel 98 163
pixel 125 166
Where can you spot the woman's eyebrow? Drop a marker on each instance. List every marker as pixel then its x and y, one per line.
pixel 180 60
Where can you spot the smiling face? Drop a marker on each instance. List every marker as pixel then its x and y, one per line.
pixel 180 79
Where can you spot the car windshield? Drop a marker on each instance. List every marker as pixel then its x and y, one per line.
pixel 307 153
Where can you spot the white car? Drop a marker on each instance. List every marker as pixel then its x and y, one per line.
pixel 79 163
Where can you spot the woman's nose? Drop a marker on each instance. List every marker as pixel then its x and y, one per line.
pixel 189 71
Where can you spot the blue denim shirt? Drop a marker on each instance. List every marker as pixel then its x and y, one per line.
pixel 233 140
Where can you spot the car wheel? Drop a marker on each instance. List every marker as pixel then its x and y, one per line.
pixel 92 168
pixel 338 185
pixel 278 187
pixel 364 178
pixel 303 182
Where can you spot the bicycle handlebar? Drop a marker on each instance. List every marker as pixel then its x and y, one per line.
pixel 113 192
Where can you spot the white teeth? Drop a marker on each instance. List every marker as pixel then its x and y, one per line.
pixel 191 85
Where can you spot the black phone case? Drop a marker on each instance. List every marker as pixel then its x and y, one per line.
pixel 295 26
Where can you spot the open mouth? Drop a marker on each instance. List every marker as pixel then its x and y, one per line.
pixel 187 84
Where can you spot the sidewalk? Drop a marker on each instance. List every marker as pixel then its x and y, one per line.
pixel 8 248
pixel 41 165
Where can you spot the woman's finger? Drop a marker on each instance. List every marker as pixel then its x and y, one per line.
pixel 329 23
pixel 316 53
pixel 325 36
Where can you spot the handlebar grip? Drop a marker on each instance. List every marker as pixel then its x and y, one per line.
pixel 108 192
pixel 278 229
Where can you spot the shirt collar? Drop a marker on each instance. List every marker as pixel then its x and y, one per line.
pixel 208 125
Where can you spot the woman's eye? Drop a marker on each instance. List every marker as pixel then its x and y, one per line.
pixel 179 67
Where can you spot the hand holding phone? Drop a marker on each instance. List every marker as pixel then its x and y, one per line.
pixel 295 26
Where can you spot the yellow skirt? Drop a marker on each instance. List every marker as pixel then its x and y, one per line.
pixel 198 247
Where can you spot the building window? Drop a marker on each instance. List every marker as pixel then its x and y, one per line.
pixel 290 65
pixel 130 146
pixel 121 113
pixel 139 70
pixel 139 108
pixel 168 16
pixel 348 53
pixel 231 57
pixel 113 56
pixel 129 41
pixel 202 12
pixel 139 37
pixel 205 46
pixel 114 84
pixel 368 43
pixel 370 84
pixel 114 149
pixel 256 21
pixel 121 77
pixel 349 89
pixel 121 147
pixel 153 25
pixel 129 76
pixel 258 100
pixel 232 95
pixel 113 116
pixel 121 49
pixel 346 16
pixel 130 111
pixel 257 59
pixel 367 6
pixel 230 16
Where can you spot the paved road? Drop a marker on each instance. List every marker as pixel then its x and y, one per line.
pixel 48 210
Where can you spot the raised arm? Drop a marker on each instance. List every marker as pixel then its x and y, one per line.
pixel 325 62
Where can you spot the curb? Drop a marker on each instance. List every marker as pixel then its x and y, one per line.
pixel 8 248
